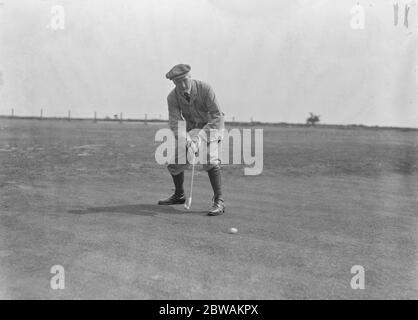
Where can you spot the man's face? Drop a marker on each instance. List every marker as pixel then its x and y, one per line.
pixel 183 84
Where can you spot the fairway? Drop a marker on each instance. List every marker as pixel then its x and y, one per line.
pixel 83 196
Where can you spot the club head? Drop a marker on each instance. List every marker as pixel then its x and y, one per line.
pixel 188 204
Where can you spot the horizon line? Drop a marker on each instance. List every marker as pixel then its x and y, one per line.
pixel 145 120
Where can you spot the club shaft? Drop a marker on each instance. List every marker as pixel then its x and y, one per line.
pixel 191 183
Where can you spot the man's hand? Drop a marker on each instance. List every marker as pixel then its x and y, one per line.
pixel 193 143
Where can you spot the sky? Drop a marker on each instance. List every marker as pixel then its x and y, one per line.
pixel 268 60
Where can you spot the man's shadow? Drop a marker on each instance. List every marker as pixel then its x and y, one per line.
pixel 138 209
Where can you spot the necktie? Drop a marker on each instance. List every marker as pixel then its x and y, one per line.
pixel 187 96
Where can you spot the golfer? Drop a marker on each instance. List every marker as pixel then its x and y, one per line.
pixel 194 101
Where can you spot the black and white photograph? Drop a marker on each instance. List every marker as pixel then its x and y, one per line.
pixel 208 150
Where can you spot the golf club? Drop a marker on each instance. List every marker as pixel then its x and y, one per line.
pixel 188 203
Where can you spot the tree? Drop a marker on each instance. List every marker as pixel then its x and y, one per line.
pixel 313 119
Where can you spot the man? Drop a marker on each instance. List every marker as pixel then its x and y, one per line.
pixel 194 101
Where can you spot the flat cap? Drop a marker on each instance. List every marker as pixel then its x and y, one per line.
pixel 178 71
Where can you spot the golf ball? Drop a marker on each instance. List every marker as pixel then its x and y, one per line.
pixel 233 230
